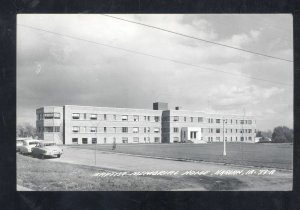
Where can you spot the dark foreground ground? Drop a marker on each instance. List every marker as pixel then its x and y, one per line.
pixel 76 170
pixel 260 155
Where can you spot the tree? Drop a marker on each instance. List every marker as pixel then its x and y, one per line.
pixel 26 130
pixel 282 134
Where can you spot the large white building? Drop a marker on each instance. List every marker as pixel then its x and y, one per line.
pixel 72 124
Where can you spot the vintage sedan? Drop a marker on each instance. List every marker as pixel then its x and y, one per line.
pixel 27 146
pixel 46 149
pixel 19 144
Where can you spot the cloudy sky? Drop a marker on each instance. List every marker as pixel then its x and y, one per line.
pixel 57 69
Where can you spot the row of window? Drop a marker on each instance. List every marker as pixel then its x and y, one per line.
pixel 124 140
pixel 48 115
pixel 246 138
pixel 48 129
pixel 209 120
pixel 77 129
pixel 216 130
pixel 136 118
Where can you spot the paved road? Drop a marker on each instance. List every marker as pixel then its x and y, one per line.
pixel 281 180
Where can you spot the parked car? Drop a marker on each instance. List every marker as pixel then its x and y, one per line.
pixel 47 149
pixel 19 144
pixel 28 145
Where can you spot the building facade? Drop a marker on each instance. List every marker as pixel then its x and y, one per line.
pixel 72 124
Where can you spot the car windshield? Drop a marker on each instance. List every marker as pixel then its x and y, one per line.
pixel 33 143
pixel 49 144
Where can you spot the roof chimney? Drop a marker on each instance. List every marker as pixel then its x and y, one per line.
pixel 160 106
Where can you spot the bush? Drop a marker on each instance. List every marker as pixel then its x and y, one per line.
pixel 282 134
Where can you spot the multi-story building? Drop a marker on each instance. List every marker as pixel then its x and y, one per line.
pixel 72 124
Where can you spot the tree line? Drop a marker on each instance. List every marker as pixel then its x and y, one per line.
pixel 26 130
pixel 280 134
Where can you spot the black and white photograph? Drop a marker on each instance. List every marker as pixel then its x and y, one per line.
pixel 154 102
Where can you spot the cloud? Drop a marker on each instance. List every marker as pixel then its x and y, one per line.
pixel 56 70
pixel 233 96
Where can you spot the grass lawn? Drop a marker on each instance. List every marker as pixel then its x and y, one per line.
pixel 261 155
pixel 44 175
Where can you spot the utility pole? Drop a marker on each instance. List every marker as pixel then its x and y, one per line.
pixel 224 151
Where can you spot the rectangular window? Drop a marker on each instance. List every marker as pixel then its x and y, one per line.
pixel 250 138
pixel 104 129
pixel 176 118
pixel 250 122
pixel 75 116
pixel 148 129
pixel 75 129
pixel 93 129
pixel 105 140
pixel 148 118
pixel 136 139
pixel 242 121
pixel 156 118
pixel 124 117
pixel 218 120
pixel 48 129
pixel 49 115
pixel 145 118
pixel 56 129
pixel 192 119
pixel 156 130
pixel 184 119
pixel 242 138
pixel 124 140
pixel 200 119
pixel 56 115
pixel 124 129
pixel 84 116
pixel 104 116
pixel 135 118
pixel 175 130
pixel 84 140
pixel 94 140
pixel 74 140
pixel 218 138
pixel 135 130
pixel 93 117
pixel 231 121
pixel 218 130
pixel 145 130
pixel 211 120
pixel 156 139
